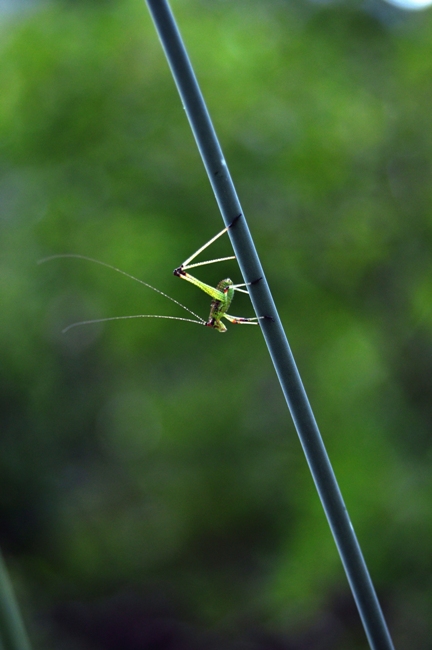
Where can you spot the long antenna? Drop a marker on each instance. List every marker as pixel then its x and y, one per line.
pixel 277 343
pixel 104 320
pixel 128 275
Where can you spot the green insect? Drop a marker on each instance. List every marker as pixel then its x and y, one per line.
pixel 222 295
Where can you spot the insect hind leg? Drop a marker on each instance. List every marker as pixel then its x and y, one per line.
pixel 187 263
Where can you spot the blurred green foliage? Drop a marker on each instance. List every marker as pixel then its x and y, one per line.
pixel 157 458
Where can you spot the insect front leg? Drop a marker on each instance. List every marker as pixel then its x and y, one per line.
pixel 239 320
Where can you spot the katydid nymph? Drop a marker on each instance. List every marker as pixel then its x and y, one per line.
pixel 222 295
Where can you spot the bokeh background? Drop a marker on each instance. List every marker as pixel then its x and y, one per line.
pixel 154 494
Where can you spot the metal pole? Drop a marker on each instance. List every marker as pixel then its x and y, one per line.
pixel 289 378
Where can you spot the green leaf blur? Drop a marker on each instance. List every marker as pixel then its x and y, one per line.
pixel 153 461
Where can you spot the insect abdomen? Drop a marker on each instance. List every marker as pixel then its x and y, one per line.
pixel 220 307
pixel 225 287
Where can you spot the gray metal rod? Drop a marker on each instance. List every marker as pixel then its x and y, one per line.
pixel 289 378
